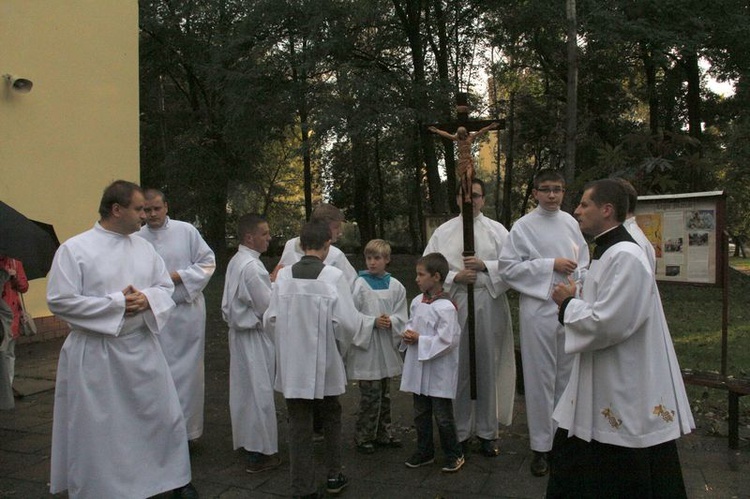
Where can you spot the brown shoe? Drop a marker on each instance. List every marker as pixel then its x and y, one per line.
pixel 263 463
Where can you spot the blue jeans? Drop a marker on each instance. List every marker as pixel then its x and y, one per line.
pixel 425 407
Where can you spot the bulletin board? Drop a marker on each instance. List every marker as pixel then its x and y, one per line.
pixel 687 233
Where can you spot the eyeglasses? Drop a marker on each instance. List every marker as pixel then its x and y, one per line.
pixel 547 190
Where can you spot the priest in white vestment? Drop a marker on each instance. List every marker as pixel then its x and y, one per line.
pixel 544 247
pixel 252 357
pixel 625 403
pixel 190 263
pixel 495 358
pixel 118 430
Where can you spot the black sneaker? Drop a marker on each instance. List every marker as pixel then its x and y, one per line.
pixel 453 465
pixel 539 465
pixel 417 460
pixel 336 484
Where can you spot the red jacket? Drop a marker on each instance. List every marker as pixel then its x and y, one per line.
pixel 11 288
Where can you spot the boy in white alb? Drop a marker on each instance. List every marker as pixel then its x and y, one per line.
pixel 544 247
pixel 252 357
pixel 312 318
pixel 373 358
pixel 431 342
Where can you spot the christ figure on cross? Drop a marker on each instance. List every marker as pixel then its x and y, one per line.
pixel 464 139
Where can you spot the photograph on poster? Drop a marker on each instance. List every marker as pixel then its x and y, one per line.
pixel 698 239
pixel 673 245
pixel 672 270
pixel 700 220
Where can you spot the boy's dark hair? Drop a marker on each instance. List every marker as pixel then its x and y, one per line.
pixel 548 176
pixel 632 194
pixel 435 263
pixel 118 192
pixel 314 235
pixel 609 191
pixel 247 223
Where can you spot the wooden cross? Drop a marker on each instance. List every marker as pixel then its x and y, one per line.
pixel 466 176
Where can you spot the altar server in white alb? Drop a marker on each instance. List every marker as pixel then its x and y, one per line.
pixel 625 404
pixel 495 358
pixel 312 320
pixel 293 252
pixel 632 226
pixel 190 263
pixel 252 361
pixel 373 358
pixel 545 246
pixel 118 430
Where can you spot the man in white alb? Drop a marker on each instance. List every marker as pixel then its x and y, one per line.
pixel 632 226
pixel 117 430
pixel 495 359
pixel 293 252
pixel 190 263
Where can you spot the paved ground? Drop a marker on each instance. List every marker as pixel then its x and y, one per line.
pixel 710 469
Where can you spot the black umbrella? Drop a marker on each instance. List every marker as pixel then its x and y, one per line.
pixel 32 242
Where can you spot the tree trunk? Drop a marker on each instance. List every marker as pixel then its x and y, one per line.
pixel 509 160
pixel 571 115
pixel 649 69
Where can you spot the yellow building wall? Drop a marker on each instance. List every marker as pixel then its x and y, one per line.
pixel 77 130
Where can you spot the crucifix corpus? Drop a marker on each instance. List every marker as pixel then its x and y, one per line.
pixel 465 132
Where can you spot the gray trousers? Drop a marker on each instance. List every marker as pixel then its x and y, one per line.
pixel 301 453
pixel 7 370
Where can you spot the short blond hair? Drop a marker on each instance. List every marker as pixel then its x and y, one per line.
pixel 378 247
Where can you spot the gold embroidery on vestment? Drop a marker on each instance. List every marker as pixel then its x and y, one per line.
pixel 664 413
pixel 611 418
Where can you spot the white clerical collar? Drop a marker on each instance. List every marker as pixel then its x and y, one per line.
pixel 608 230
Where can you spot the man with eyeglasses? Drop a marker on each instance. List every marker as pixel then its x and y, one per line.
pixel 495 359
pixel 544 248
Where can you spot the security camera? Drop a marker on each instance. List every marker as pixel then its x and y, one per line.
pixel 20 85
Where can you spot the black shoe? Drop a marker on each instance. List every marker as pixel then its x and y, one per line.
pixel 366 448
pixel 336 484
pixel 539 465
pixel 262 462
pixel 489 448
pixel 186 492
